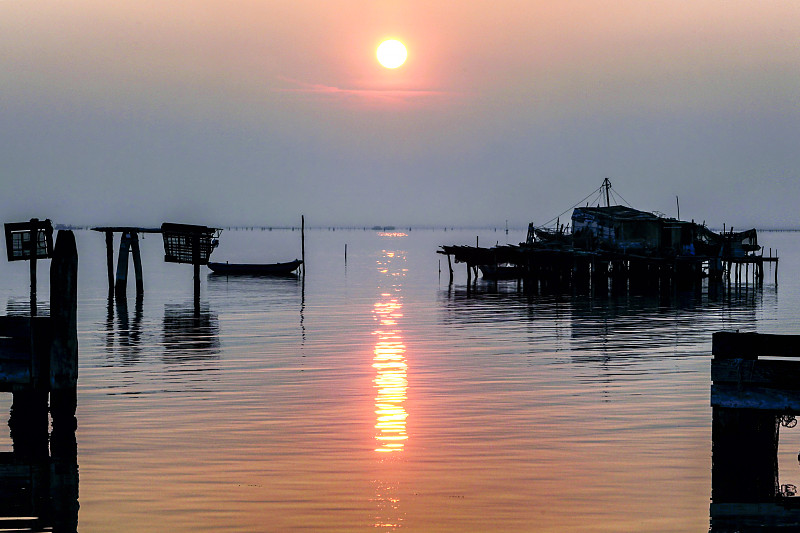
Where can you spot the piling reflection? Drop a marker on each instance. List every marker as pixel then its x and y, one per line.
pixel 191 332
pixel 595 326
pixel 746 491
pixel 123 331
pixel 391 385
pixel 39 478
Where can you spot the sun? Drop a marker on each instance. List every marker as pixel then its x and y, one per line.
pixel 392 53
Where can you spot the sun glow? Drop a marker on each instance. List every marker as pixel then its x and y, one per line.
pixel 391 53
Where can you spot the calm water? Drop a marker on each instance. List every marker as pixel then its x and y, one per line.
pixel 375 397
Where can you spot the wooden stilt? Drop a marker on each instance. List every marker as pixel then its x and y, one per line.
pixel 64 347
pixel 196 265
pixel 120 288
pixel 33 251
pixel 137 263
pixel 110 261
pixel 450 268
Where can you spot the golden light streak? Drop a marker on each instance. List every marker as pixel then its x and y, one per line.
pixel 389 362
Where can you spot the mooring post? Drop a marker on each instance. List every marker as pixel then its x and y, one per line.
pixel 744 455
pixel 64 345
pixel 33 244
pixel 450 268
pixel 303 241
pixel 196 266
pixel 120 288
pixel 110 261
pixel 137 263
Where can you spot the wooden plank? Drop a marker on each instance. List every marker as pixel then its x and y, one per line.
pixel 754 397
pixel 784 374
pixel 730 344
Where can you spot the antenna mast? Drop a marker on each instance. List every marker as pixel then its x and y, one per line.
pixel 607 186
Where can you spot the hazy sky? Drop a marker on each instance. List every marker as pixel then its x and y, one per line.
pixel 245 112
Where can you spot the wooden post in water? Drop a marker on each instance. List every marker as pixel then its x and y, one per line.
pixel 450 267
pixel 64 346
pixel 303 241
pixel 121 286
pixel 110 261
pixel 33 245
pixel 137 264
pixel 196 266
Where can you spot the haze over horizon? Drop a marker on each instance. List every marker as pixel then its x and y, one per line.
pixel 253 113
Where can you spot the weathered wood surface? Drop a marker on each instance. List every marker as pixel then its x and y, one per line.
pixel 783 374
pixel 728 344
pixel 755 397
pixel 63 371
pixel 743 378
pixel 63 313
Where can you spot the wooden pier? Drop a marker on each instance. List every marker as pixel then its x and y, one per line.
pixel 129 244
pixel 183 243
pixel 566 266
pixel 755 391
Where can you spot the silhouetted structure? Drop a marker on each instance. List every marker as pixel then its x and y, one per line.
pixel 620 243
pixel 39 365
pixel 751 397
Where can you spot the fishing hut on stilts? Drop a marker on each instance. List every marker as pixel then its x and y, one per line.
pixel 621 247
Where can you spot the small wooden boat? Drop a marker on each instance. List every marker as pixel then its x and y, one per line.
pixel 254 269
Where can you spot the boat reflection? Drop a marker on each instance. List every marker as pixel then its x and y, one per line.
pixel 124 340
pixel 191 333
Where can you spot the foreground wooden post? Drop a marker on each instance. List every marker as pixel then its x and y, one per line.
pixel 749 396
pixel 64 346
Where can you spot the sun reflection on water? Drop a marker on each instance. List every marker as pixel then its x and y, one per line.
pixel 389 361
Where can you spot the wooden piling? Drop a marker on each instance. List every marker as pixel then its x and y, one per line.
pixel 33 244
pixel 110 261
pixel 121 285
pixel 64 346
pixel 303 241
pixel 196 266
pixel 137 264
pixel 450 268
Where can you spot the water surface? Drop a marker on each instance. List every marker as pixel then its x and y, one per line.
pixel 372 395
